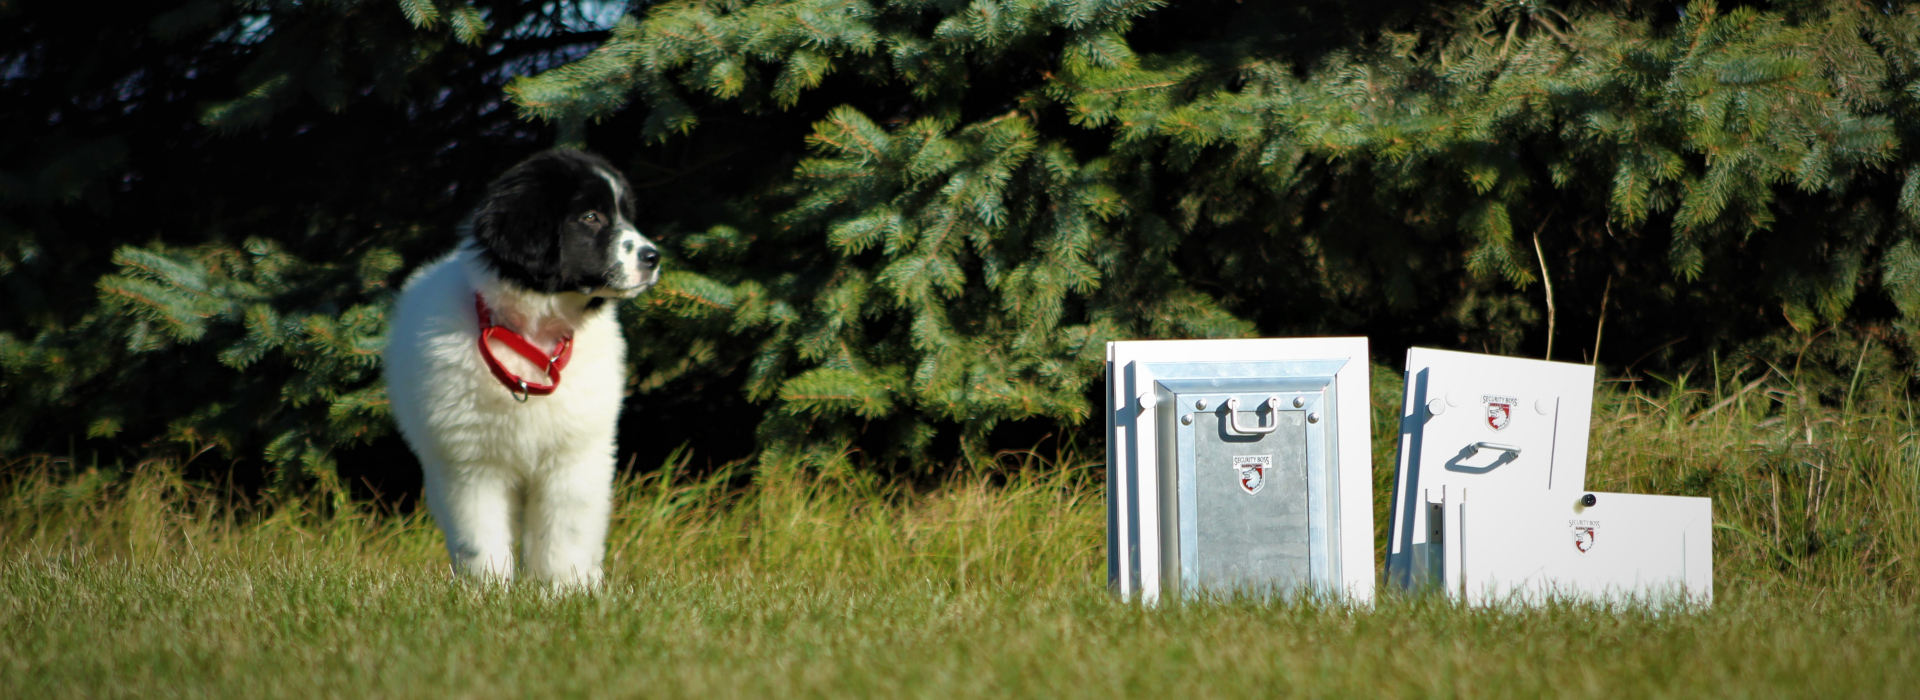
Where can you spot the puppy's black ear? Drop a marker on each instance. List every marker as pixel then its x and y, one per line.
pixel 516 222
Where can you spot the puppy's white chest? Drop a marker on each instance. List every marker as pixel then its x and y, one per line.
pixel 542 431
pixel 449 401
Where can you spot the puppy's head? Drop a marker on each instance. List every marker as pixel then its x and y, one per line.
pixel 561 221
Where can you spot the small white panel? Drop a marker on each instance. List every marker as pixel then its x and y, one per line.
pixel 1521 547
pixel 1135 527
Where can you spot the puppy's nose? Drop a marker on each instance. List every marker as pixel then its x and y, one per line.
pixel 650 256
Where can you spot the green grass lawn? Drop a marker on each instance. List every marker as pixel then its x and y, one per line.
pixel 295 628
pixel 819 581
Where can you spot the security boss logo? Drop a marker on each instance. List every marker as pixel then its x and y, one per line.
pixel 1499 411
pixel 1583 532
pixel 1253 471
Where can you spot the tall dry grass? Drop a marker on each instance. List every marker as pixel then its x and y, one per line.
pixel 1814 490
pixel 820 580
pixel 1027 520
pixel 1807 497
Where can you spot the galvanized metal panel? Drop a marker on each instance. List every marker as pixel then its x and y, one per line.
pixel 1258 540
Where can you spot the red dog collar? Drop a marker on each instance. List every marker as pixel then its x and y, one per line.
pixel 519 344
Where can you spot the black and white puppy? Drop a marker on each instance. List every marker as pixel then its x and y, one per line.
pixel 475 355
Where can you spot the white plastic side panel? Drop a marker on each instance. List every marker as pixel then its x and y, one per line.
pixel 1523 547
pixel 1118 492
pixel 1471 420
pixel 1133 559
pixel 1450 561
pixel 1147 479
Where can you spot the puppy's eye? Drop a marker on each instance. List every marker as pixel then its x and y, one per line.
pixel 590 217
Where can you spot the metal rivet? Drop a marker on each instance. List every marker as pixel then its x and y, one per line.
pixel 1147 400
pixel 1313 417
pixel 1299 401
pixel 1436 407
pixel 1187 419
pixel 1200 405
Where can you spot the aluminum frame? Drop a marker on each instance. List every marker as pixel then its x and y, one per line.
pixel 1154 523
pixel 1178 384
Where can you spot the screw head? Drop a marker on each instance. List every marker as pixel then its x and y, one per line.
pixel 1313 417
pixel 1200 405
pixel 1299 401
pixel 1187 419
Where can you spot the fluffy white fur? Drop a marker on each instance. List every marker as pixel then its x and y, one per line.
pixel 499 470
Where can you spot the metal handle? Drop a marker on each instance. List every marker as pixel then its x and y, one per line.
pixel 1233 417
pixel 1475 448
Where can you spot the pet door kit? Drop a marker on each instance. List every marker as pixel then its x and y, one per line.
pixel 1239 467
pixel 1489 499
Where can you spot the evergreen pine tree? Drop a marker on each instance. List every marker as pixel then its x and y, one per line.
pixel 893 221
pixel 1020 181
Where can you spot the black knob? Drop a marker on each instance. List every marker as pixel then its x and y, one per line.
pixel 1588 500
